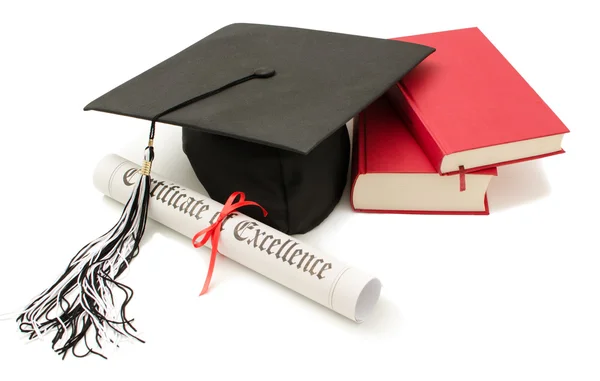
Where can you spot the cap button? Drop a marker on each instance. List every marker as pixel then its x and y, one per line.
pixel 264 72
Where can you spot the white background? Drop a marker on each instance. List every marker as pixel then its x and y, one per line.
pixel 513 295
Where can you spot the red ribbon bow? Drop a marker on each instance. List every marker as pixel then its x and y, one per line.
pixel 214 231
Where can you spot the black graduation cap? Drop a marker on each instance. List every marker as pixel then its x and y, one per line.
pixel 263 110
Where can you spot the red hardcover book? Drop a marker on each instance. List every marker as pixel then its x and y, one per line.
pixel 391 173
pixel 469 107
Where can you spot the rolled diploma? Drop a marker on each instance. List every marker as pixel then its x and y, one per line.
pixel 282 258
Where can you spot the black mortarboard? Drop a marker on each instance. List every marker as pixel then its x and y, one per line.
pixel 277 132
pixel 263 111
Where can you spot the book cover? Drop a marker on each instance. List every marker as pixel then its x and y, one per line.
pixel 468 106
pixel 391 173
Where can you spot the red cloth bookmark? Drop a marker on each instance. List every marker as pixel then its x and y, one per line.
pixel 463 179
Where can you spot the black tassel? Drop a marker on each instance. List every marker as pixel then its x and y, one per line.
pixel 86 305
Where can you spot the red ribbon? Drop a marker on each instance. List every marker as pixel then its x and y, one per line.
pixel 462 178
pixel 214 231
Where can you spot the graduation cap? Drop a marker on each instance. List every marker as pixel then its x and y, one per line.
pixel 263 110
pixel 276 132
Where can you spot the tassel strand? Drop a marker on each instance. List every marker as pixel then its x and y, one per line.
pixel 86 306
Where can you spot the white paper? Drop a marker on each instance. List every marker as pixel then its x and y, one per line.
pixel 282 258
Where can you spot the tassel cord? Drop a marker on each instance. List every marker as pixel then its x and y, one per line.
pixel 87 300
pixel 81 302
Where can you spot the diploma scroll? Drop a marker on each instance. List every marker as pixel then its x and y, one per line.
pixel 282 258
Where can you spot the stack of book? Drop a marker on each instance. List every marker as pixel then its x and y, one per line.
pixel 432 143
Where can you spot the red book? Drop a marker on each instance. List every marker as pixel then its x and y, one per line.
pixel 469 107
pixel 391 173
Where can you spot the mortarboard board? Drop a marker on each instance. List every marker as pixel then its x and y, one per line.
pixel 280 137
pixel 263 110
